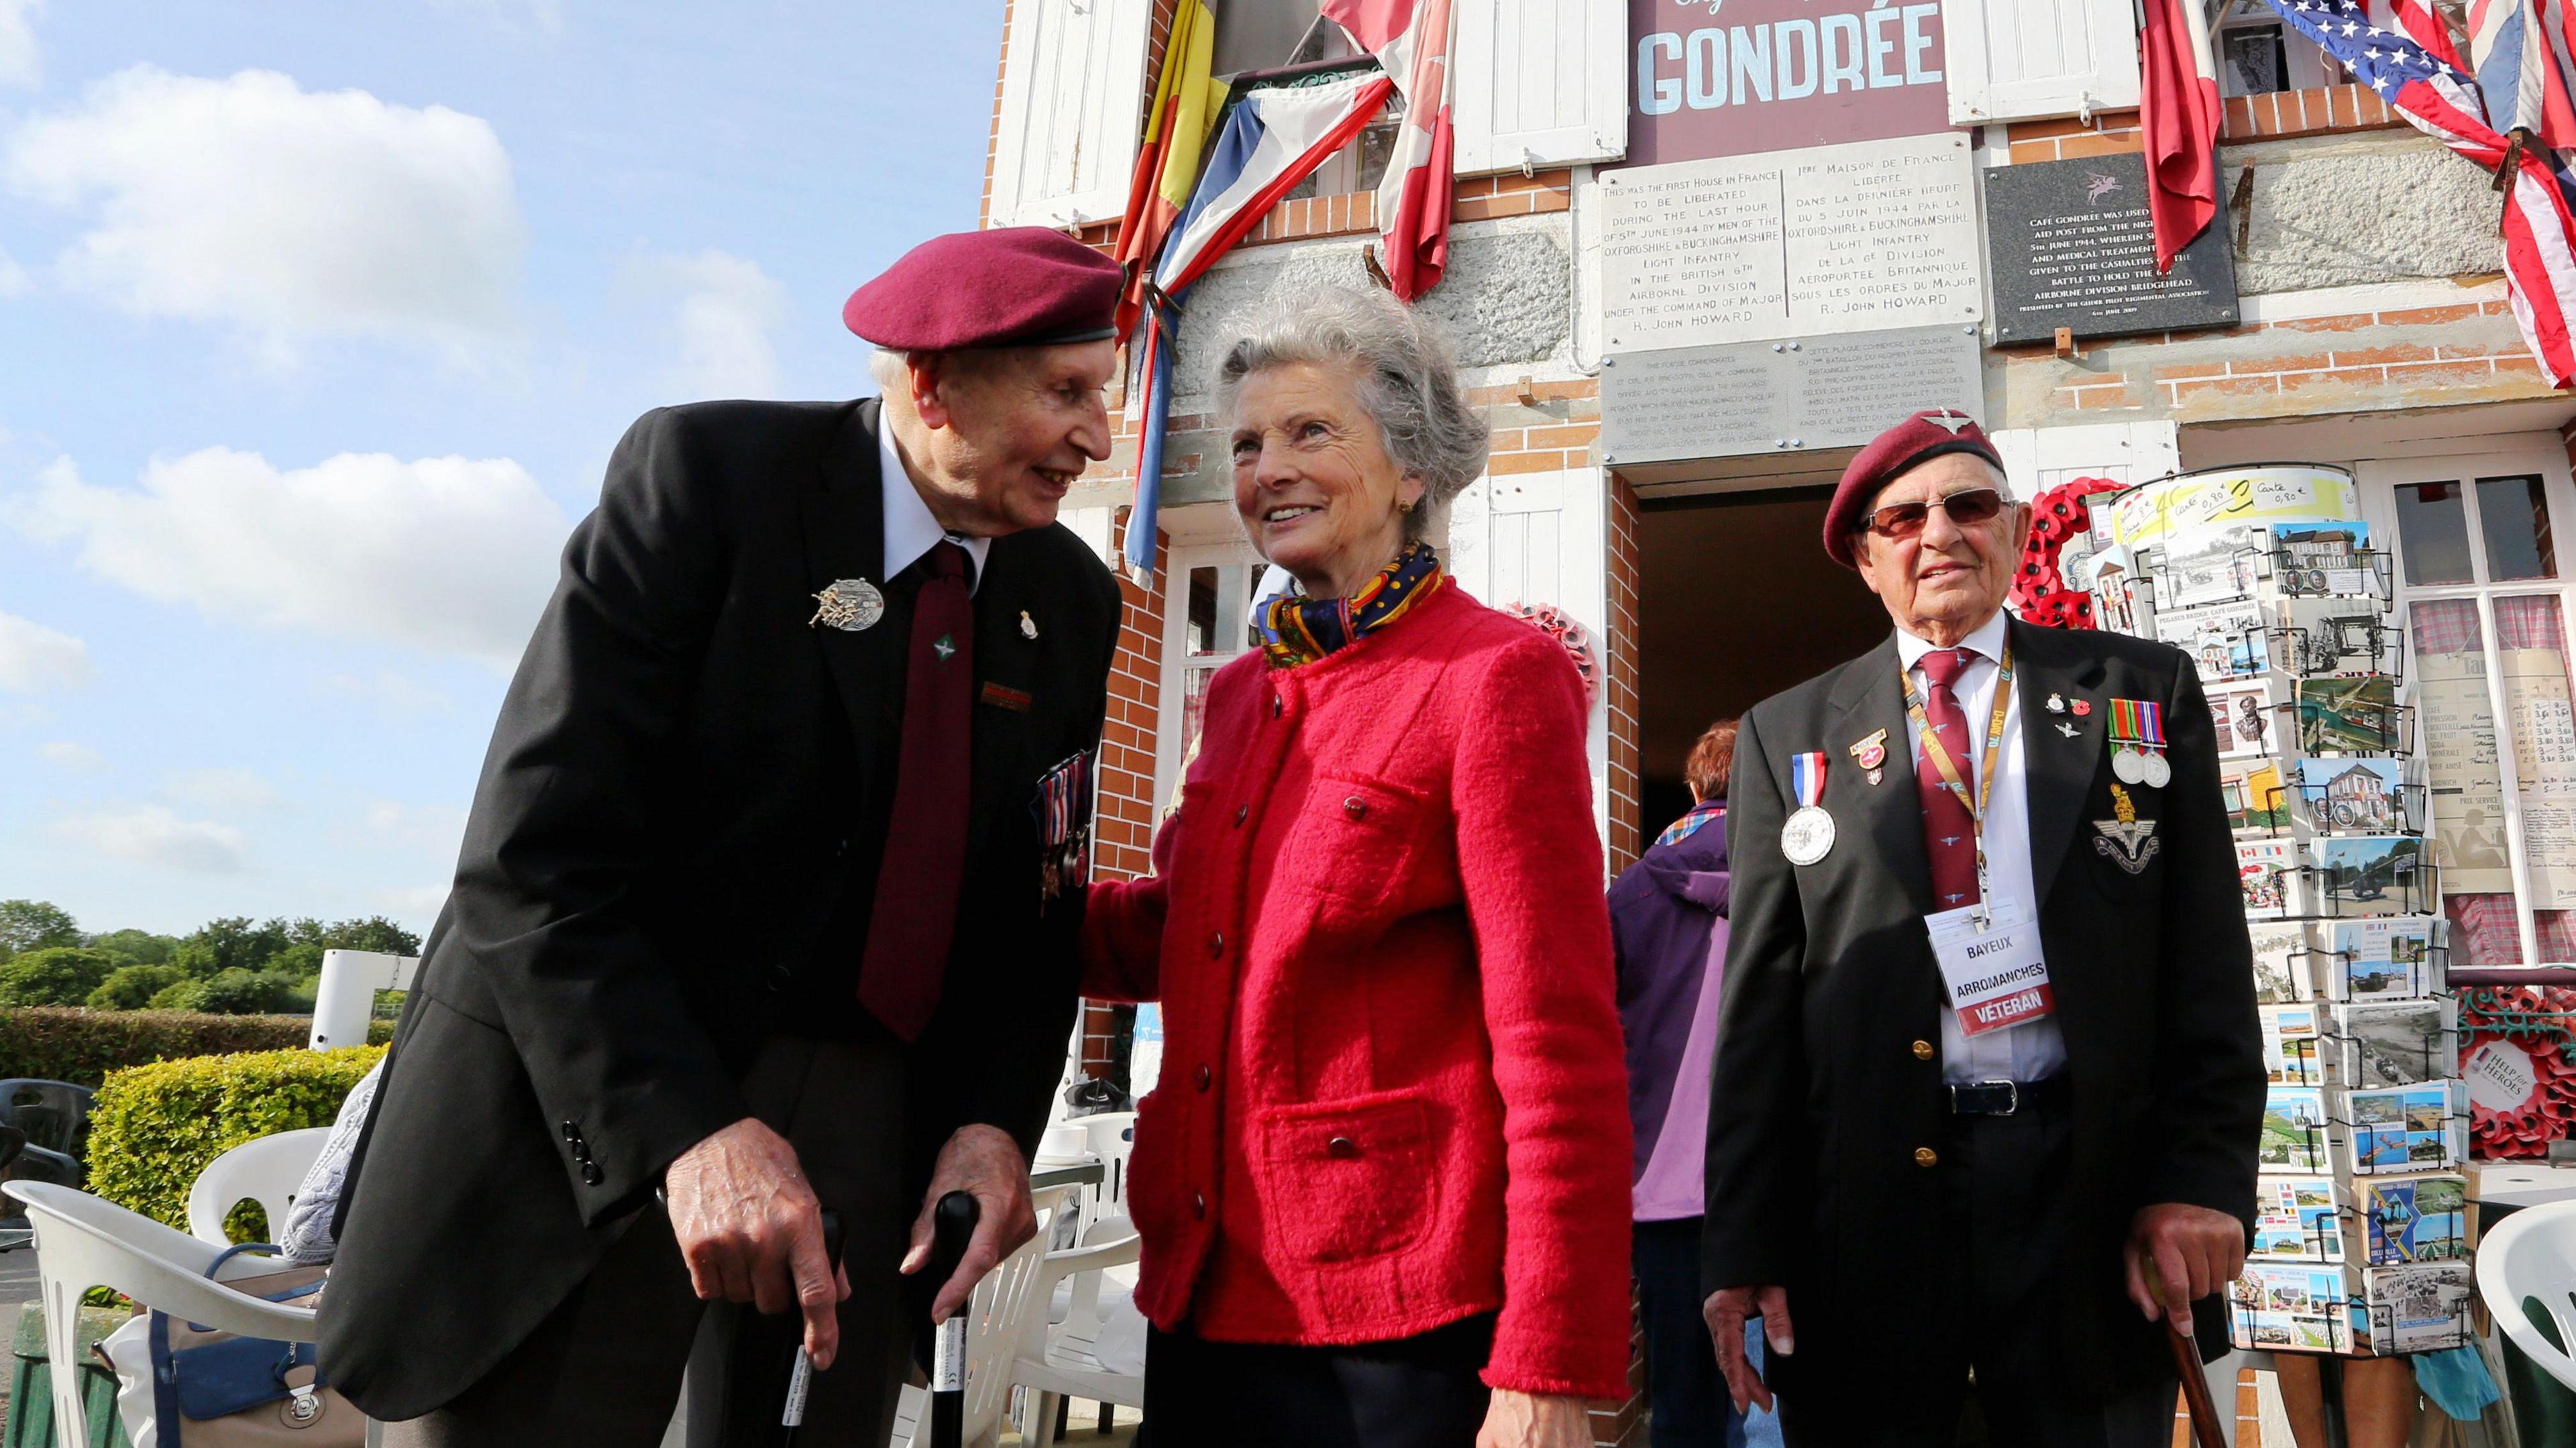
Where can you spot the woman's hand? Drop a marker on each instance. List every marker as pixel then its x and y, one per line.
pixel 1531 1420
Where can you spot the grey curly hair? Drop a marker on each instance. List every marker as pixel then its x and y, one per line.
pixel 1408 382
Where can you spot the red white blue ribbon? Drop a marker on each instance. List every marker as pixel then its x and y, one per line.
pixel 1807 778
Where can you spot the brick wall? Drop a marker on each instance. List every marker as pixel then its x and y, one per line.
pixel 1627 824
pixel 2281 116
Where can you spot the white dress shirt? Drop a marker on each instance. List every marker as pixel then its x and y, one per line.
pixel 910 530
pixel 2037 1050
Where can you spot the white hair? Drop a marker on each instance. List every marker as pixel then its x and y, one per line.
pixel 1408 382
pixel 892 370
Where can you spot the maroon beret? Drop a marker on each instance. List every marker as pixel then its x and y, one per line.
pixel 1017 286
pixel 1918 439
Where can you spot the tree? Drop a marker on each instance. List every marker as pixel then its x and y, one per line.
pixel 142 947
pixel 240 992
pixel 132 987
pixel 58 975
pixel 232 943
pixel 180 995
pixel 34 925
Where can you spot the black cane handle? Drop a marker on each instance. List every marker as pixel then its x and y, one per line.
pixel 952 1226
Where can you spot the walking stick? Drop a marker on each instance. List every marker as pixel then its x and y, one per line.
pixel 2205 1428
pixel 952 1226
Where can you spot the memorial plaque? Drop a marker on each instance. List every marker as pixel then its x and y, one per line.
pixel 1791 244
pixel 1801 394
pixel 2073 247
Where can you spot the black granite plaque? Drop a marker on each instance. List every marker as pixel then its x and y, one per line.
pixel 2070 245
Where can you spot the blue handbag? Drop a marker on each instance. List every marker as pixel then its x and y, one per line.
pixel 215 1389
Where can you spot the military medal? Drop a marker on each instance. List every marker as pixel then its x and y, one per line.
pixel 851 605
pixel 1809 834
pixel 2137 735
pixel 1870 753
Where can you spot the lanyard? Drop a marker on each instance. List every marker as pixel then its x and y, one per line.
pixel 1949 770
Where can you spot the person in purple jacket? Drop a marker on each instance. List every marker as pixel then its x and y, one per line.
pixel 1668 929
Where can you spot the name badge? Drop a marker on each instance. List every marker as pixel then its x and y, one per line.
pixel 1995 977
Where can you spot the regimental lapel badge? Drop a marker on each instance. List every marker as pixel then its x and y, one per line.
pixel 851 605
pixel 2082 707
pixel 1870 753
pixel 2057 703
pixel 1875 775
pixel 1028 626
pixel 945 646
pixel 2128 841
pixel 2066 729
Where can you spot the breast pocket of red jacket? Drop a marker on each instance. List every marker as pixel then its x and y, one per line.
pixel 1354 842
pixel 1345 1180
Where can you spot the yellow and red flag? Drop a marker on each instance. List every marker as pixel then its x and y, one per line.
pixel 1186 102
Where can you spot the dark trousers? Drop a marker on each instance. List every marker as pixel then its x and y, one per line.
pixel 2004 1209
pixel 1686 1396
pixel 603 1369
pixel 1415 1392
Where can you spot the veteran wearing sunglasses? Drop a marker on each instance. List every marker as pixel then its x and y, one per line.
pixel 1988 1079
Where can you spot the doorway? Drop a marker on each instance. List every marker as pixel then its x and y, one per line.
pixel 1736 601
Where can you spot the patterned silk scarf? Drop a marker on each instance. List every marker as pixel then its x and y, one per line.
pixel 1297 630
pixel 1700 817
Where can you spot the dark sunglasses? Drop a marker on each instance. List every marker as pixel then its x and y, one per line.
pixel 1966 507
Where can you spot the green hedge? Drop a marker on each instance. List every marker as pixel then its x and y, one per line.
pixel 83 1046
pixel 156 1127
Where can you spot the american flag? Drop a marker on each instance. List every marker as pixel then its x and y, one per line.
pixel 2419 75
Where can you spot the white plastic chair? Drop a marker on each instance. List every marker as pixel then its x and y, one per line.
pixel 268 1170
pixel 1059 1361
pixel 2531 1255
pixel 996 1323
pixel 84 1242
pixel 1113 1140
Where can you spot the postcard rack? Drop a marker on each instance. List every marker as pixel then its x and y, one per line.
pixel 2403 888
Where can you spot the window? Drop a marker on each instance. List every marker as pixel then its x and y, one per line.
pixel 2254 60
pixel 1267 34
pixel 2486 620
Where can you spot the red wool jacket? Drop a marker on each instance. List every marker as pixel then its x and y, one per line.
pixel 1392 1093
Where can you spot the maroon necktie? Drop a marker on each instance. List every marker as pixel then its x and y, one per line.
pixel 915 915
pixel 1949 834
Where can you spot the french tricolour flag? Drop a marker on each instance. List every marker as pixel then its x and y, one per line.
pixel 2178 112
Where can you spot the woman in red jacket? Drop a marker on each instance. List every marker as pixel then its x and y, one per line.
pixel 1383 1186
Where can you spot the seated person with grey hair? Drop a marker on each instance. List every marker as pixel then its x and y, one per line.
pixel 1384 1192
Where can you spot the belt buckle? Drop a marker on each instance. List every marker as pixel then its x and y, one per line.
pixel 2012 1097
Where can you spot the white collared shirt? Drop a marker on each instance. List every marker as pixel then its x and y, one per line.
pixel 910 530
pixel 2030 1052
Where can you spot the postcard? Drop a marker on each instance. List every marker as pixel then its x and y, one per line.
pixel 2281 963
pixel 2413 1218
pixel 2122 603
pixel 2211 565
pixel 2338 636
pixel 2290 1307
pixel 2290 1051
pixel 2255 796
pixel 2353 796
pixel 2387 959
pixel 2294 1130
pixel 2263 868
pixel 2225 641
pixel 2295 1220
pixel 2347 716
pixel 2394 1043
pixel 2310 559
pixel 2245 718
pixel 2421 1307
pixel 2368 874
pixel 2402 1128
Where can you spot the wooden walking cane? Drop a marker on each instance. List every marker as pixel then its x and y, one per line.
pixel 2206 1429
pixel 952 1226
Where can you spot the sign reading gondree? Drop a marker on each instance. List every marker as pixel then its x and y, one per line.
pixel 1791 244
pixel 1732 77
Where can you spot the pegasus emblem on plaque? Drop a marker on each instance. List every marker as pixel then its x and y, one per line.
pixel 2097 185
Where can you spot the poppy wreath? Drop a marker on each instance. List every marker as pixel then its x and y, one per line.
pixel 1570 634
pixel 2547 1111
pixel 2039 591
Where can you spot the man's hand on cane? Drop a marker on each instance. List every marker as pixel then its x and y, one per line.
pixel 1726 1311
pixel 751 1230
pixel 2195 1252
pixel 985 1162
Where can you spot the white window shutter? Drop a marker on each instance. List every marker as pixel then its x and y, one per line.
pixel 1073 100
pixel 2039 458
pixel 1539 83
pixel 2019 60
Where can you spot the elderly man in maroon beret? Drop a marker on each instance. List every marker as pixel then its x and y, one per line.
pixel 1988 1080
pixel 768 903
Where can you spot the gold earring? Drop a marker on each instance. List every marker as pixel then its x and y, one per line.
pixel 1403 507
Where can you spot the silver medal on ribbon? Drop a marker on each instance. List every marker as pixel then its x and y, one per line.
pixel 1808 836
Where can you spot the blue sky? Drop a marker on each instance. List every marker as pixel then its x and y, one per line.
pixel 317 323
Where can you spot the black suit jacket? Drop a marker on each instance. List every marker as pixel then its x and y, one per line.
pixel 675 838
pixel 1818 1099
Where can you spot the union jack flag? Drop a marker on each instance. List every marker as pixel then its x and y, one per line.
pixel 2419 75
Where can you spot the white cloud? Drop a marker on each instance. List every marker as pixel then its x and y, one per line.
pixel 435 828
pixel 221 789
pixel 21 62
pixel 71 755
pixel 453 555
pixel 34 657
pixel 722 310
pixel 153 835
pixel 391 693
pixel 291 215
